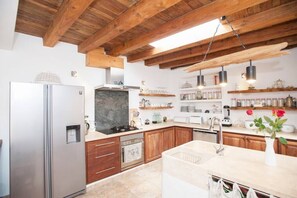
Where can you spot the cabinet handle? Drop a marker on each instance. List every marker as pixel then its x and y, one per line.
pixel 97 157
pixel 108 143
pixel 105 170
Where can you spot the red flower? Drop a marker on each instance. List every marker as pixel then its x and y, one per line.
pixel 274 112
pixel 249 112
pixel 280 113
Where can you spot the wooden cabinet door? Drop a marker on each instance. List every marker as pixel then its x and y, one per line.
pixel 183 135
pixel 232 139
pixel 258 143
pixel 168 138
pixel 153 141
pixel 289 149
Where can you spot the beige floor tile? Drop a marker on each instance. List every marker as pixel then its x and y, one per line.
pixel 141 182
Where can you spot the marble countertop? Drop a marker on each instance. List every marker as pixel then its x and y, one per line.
pixel 243 166
pixel 95 135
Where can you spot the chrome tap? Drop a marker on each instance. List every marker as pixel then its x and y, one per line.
pixel 220 149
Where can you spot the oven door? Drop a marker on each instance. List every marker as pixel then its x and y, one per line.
pixel 205 136
pixel 132 154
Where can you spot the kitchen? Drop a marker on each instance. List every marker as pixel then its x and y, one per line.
pixel 24 57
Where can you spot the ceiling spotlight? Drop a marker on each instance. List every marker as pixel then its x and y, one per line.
pixel 251 73
pixel 223 77
pixel 200 81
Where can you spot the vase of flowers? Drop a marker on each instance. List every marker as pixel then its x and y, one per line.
pixel 275 125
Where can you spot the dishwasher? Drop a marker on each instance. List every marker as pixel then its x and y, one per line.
pixel 205 135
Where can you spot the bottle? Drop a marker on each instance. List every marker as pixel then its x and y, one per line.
pixel 280 102
pixel 233 102
pixel 248 102
pixel 268 102
pixel 274 102
pixel 238 103
pixel 243 103
pixel 252 102
pixel 263 102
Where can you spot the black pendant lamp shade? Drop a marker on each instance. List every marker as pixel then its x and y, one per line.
pixel 200 81
pixel 223 77
pixel 251 73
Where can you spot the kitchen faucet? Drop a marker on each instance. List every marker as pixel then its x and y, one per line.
pixel 220 149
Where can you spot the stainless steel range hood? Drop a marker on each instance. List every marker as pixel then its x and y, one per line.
pixel 114 79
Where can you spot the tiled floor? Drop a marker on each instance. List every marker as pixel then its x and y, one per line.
pixel 141 182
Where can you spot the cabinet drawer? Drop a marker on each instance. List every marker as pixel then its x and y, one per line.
pixel 100 145
pixel 97 173
pixel 103 160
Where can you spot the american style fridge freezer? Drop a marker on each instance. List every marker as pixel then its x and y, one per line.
pixel 47 147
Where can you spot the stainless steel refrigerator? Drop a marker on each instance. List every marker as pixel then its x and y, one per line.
pixel 47 151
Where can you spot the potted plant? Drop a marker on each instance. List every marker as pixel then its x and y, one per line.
pixel 275 126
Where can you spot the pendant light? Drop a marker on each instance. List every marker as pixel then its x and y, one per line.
pixel 251 73
pixel 223 77
pixel 200 81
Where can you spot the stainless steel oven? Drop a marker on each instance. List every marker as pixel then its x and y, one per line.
pixel 132 150
pixel 205 135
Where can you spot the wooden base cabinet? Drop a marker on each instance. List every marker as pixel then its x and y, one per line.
pixel 247 141
pixel 183 135
pixel 153 143
pixel 168 138
pixel 102 158
pixel 289 149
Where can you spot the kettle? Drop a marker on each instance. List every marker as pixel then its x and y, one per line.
pixel 289 101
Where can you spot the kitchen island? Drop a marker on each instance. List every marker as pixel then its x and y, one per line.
pixel 188 168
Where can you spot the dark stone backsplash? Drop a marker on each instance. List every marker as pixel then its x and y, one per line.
pixel 111 109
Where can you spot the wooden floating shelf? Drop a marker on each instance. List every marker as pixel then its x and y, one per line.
pixel 264 108
pixel 157 95
pixel 154 108
pixel 205 101
pixel 262 90
pixel 196 88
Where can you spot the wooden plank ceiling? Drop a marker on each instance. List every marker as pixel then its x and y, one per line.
pixel 126 27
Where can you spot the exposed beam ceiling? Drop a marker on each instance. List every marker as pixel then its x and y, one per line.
pixel 256 53
pixel 274 32
pixel 280 14
pixel 292 41
pixel 198 16
pixel 138 13
pixel 68 13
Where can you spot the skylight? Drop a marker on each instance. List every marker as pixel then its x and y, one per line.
pixel 200 32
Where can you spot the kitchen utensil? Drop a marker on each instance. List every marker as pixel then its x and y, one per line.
pixel 289 101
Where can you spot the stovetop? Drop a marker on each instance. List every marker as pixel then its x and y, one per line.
pixel 119 129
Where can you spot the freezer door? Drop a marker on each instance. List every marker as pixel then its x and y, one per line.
pixel 27 104
pixel 68 145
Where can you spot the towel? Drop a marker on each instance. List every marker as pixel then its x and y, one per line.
pixel 132 152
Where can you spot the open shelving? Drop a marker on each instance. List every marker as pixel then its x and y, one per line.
pixel 156 95
pixel 262 90
pixel 205 101
pixel 155 108
pixel 264 108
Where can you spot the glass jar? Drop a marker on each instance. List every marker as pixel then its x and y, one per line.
pixel 233 102
pixel 243 103
pixel 280 102
pixel 238 103
pixel 252 102
pixel 219 95
pixel 209 95
pixel 268 102
pixel 215 95
pixel 274 102
pixel 204 95
pixel 263 102
pixel 248 102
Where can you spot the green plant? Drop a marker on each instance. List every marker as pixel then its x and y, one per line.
pixel 275 124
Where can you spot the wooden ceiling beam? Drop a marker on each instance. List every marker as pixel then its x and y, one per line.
pixel 198 16
pixel 97 58
pixel 134 16
pixel 277 15
pixel 68 13
pixel 274 32
pixel 292 40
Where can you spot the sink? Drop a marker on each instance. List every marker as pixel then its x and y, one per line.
pixel 192 157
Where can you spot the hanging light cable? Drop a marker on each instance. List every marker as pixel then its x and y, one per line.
pixel 200 81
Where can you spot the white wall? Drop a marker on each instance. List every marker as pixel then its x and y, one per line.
pixel 268 71
pixel 28 58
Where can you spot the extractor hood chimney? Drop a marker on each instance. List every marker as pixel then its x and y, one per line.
pixel 114 81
